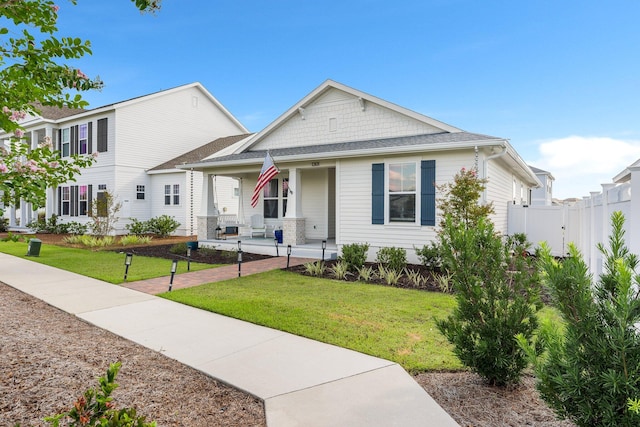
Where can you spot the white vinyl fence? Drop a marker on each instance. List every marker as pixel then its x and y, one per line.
pixel 584 223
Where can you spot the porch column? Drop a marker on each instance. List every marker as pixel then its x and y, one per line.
pixel 208 218
pixel 293 223
pixel 633 220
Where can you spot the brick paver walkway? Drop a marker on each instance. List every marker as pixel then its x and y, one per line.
pixel 195 278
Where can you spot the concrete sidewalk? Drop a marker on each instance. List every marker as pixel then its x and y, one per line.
pixel 302 382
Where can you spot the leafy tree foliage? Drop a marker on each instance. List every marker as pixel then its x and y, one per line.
pixel 34 73
pixel 497 288
pixel 591 369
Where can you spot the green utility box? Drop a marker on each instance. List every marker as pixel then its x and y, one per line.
pixel 34 247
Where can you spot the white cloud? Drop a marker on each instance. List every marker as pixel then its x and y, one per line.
pixel 581 164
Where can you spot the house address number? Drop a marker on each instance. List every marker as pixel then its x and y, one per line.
pixel 315 163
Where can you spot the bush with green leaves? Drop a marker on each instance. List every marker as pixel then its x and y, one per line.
pixel 355 255
pixel 77 228
pixel 590 370
pixel 392 258
pixel 4 223
pixel 494 304
pixel 162 226
pixel 96 407
pixel 137 227
pixel 51 225
pixel 429 255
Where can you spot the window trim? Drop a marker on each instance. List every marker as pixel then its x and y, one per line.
pixel 388 193
pixel 172 195
pixel 140 190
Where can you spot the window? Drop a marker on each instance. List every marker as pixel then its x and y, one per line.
pixel 236 192
pixel 66 200
pixel 83 200
pixel 140 192
pixel 285 194
pixel 400 195
pixel 172 194
pixel 65 142
pixel 83 139
pixel 270 197
pixel 402 192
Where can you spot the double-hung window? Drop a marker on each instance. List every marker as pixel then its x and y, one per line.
pixel 65 142
pixel 66 200
pixel 270 198
pixel 83 199
pixel 172 194
pixel 83 138
pixel 402 192
pixel 139 192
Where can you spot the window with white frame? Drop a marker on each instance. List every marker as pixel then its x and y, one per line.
pixel 172 194
pixel 139 192
pixel 66 200
pixel 270 199
pixel 83 138
pixel 402 194
pixel 83 200
pixel 65 142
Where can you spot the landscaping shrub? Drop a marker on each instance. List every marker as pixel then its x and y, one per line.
pixel 4 223
pixel 493 304
pixel 103 212
pixel 316 268
pixel 96 407
pixel 77 228
pixel 340 270
pixel 497 294
pixel 429 255
pixel 42 225
pixel 355 255
pixel 590 372
pixel 135 240
pixel 392 258
pixel 179 248
pixel 137 228
pixel 162 226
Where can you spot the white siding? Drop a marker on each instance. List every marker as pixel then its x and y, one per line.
pixel 500 192
pixel 354 203
pixel 338 117
pixel 179 212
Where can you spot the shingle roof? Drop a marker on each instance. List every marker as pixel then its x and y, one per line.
pixel 55 113
pixel 201 152
pixel 403 141
pixel 536 170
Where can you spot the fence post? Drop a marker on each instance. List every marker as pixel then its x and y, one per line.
pixel 634 211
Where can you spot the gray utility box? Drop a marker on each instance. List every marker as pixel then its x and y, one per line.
pixel 34 247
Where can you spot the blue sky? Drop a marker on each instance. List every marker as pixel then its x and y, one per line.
pixel 559 79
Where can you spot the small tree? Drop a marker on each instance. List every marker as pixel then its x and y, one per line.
pixel 591 369
pixel 103 212
pixel 497 289
pixel 461 199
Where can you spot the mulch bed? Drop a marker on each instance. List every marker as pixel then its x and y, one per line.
pixel 203 255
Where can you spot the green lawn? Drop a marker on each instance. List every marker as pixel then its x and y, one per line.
pixel 395 324
pixel 102 265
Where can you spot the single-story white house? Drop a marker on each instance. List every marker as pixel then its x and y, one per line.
pixel 358 169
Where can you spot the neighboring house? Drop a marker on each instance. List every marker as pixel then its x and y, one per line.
pixel 134 139
pixel 542 195
pixel 357 169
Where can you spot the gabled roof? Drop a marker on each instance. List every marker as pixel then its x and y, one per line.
pixel 64 114
pixel 538 171
pixel 200 152
pixel 435 141
pixel 56 113
pixel 364 97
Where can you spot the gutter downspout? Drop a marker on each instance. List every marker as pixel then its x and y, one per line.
pixel 485 163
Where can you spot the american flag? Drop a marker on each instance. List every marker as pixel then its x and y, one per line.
pixel 268 171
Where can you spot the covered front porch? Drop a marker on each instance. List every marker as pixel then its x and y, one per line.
pixel 270 246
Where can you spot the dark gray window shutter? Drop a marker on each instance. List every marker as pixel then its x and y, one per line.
pixel 377 193
pixel 102 135
pixel 428 192
pixel 74 200
pixel 90 138
pixel 59 201
pixel 58 143
pixel 89 199
pixel 74 140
